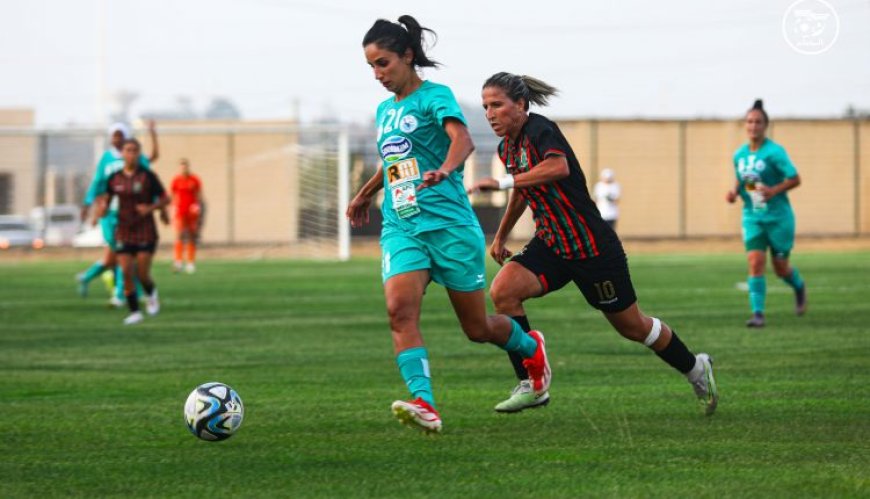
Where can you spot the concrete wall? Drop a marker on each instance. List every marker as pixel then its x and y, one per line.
pixel 249 178
pixel 18 158
pixel 674 174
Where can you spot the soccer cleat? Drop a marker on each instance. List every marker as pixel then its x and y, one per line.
pixel 523 397
pixel 116 302
pixel 705 385
pixel 152 303
pixel 538 366
pixel 800 299
pixel 757 320
pixel 82 285
pixel 417 414
pixel 176 266
pixel 134 318
pixel 190 268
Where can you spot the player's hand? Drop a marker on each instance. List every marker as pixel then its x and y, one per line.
pixel 358 210
pixel 83 214
pixel 731 196
pixel 432 177
pixel 194 209
pixel 483 185
pixel 143 209
pixel 498 252
pixel 152 126
pixel 765 191
pixel 164 217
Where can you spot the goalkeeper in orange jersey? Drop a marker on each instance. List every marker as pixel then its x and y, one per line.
pixel 187 198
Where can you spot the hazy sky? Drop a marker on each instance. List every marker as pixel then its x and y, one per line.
pixel 668 58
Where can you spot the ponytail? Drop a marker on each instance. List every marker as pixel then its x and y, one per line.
pixel 516 87
pixel 401 36
pixel 758 105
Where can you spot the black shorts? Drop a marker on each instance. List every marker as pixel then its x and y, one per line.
pixel 132 249
pixel 604 280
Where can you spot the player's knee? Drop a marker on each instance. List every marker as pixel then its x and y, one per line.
pixel 402 316
pixel 503 297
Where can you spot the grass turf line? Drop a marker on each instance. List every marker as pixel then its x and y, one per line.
pixel 93 408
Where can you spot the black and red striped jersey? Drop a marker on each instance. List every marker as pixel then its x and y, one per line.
pixel 566 218
pixel 140 187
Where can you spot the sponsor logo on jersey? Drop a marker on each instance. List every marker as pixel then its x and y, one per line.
pixel 403 171
pixel 408 123
pixel 395 148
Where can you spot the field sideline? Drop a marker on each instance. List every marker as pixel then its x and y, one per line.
pixel 95 409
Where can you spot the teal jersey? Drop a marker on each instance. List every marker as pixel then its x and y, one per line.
pixel 769 165
pixel 110 162
pixel 412 140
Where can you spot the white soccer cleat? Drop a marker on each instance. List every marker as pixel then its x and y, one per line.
pixel 704 383
pixel 152 303
pixel 116 302
pixel 134 318
pixel 190 268
pixel 523 397
pixel 177 266
pixel 417 414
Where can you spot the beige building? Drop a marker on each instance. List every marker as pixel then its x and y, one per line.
pixel 250 176
pixel 674 174
pixel 263 183
pixel 18 161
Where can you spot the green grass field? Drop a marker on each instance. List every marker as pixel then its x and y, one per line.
pixel 94 409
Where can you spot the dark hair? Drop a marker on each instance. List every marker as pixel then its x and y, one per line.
pixel 401 36
pixel 758 105
pixel 131 141
pixel 518 87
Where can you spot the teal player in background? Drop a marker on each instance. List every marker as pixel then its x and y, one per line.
pixel 764 175
pixel 110 162
pixel 429 232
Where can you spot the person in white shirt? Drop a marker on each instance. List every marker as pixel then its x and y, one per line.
pixel 606 193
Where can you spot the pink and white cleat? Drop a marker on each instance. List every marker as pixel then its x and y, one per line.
pixel 417 414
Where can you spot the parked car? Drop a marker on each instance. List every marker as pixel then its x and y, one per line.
pixel 89 237
pixel 57 225
pixel 15 232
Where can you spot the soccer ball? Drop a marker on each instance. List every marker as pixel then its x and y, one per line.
pixel 213 411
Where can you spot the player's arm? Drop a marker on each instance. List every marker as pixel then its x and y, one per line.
pixel 515 208
pixel 786 185
pixel 554 167
pixel 358 208
pixel 731 196
pixel 159 197
pixel 461 147
pixel 101 204
pixel 97 187
pixel 155 148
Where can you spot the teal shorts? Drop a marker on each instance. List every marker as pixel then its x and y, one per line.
pixel 778 235
pixel 109 223
pixel 454 256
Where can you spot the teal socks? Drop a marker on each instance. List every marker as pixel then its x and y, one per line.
pixel 757 293
pixel 794 279
pixel 92 272
pixel 520 341
pixel 119 285
pixel 414 366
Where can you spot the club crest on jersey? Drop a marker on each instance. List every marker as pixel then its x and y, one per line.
pixel 395 148
pixel 137 187
pixel 408 123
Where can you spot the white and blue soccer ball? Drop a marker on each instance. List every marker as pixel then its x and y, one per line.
pixel 213 411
